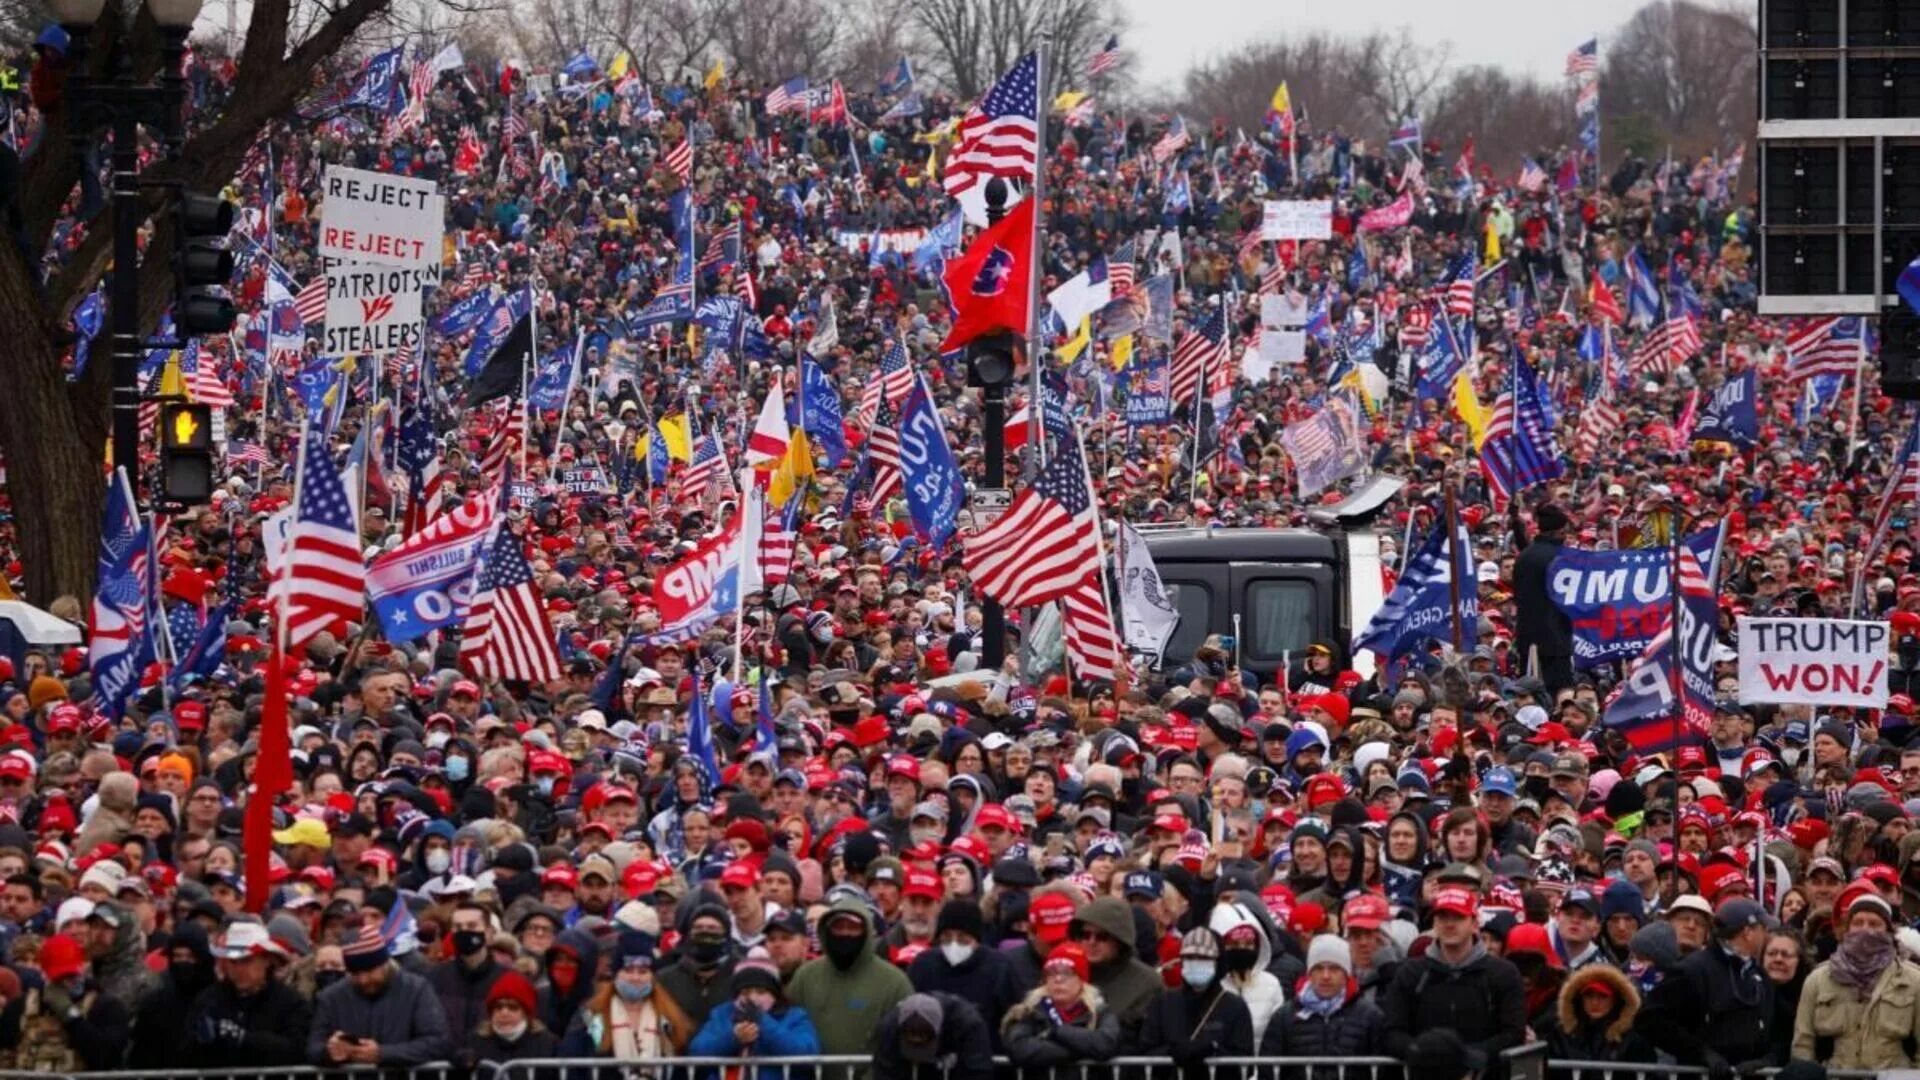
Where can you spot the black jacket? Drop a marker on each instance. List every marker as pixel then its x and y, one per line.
pixel 986 980
pixel 1483 1000
pixel 463 997
pixel 1540 623
pixel 226 1031
pixel 1714 1007
pixel 1353 1030
pixel 964 1051
pixel 1191 1026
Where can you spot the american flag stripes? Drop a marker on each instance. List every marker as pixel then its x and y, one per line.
pixel 1903 487
pixel 1533 178
pixel 706 472
pixel 242 452
pixel 789 96
pixel 1092 646
pixel 322 579
pixel 512 127
pixel 1825 347
pixel 893 385
pixel 883 454
pixel 1041 547
pixel 1202 346
pixel 203 384
pixel 1106 59
pixel 680 160
pixel 1461 279
pixel 507 635
pixel 1584 59
pixel 509 436
pixel 1000 136
pixel 775 552
pixel 1665 347
pixel 310 303
pixel 1598 421
pixel 1120 270
pixel 745 289
pixel 1175 140
pixel 1518 451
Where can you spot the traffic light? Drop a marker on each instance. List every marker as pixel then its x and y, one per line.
pixel 203 266
pixel 990 361
pixel 186 452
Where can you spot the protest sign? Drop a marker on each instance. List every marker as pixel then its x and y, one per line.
pixel 381 218
pixel 371 310
pixel 1289 219
pixel 1813 662
pixel 591 480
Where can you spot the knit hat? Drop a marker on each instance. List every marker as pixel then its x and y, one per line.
pixel 1647 848
pixel 1069 956
pixel 366 952
pixel 513 986
pixel 1200 943
pixel 756 971
pixel 961 915
pixel 62 957
pixel 1623 898
pixel 45 689
pixel 636 949
pixel 1328 949
pixel 1657 942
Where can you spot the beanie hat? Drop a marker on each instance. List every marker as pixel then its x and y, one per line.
pixel 1200 943
pixel 1069 954
pixel 1647 848
pixel 366 952
pixel 1623 898
pixel 756 971
pixel 513 986
pixel 962 915
pixel 1658 943
pixel 1328 949
pixel 45 689
pixel 61 958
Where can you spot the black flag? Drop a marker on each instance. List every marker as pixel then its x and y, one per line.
pixel 505 370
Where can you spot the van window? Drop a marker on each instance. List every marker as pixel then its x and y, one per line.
pixel 1194 602
pixel 1279 618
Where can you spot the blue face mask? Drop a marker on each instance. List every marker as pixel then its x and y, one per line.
pixel 633 991
pixel 546 785
pixel 458 768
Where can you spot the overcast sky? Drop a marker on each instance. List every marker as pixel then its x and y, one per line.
pixel 1169 36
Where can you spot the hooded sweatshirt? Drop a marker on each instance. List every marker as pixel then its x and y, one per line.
pixel 1128 985
pixel 1259 988
pixel 847 1005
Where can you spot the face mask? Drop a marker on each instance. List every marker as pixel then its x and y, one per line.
pixel 187 974
pixel 545 783
pixel 512 1032
pixel 1790 755
pixel 923 836
pixel 438 739
pixel 468 942
pixel 1239 961
pixel 707 950
pixel 956 952
pixel 438 860
pixel 843 951
pixel 633 991
pixel 458 769
pixel 1197 973
pixel 325 979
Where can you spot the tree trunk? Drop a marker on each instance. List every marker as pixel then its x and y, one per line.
pixel 53 453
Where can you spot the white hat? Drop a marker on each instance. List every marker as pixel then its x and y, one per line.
pixel 1690 902
pixel 105 874
pixel 73 909
pixel 453 886
pixel 1530 717
pixel 996 740
pixel 592 720
pixel 1488 571
pixel 1329 949
pixel 244 939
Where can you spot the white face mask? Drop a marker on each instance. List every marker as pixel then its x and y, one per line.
pixel 438 739
pixel 438 860
pixel 1197 973
pixel 511 1033
pixel 956 952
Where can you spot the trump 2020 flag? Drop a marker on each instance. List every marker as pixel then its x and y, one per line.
pixel 820 411
pixel 1730 414
pixel 1617 601
pixel 1421 604
pixel 379 85
pixel 933 481
pixel 1642 708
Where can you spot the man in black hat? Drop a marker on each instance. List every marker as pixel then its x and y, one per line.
pixel 1716 1008
pixel 961 964
pixel 1543 635
pixel 934 1036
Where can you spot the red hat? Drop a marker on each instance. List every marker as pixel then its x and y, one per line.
pixel 1050 915
pixel 1068 956
pixel 513 986
pixel 1308 919
pixel 1172 823
pixel 904 765
pixel 873 731
pixel 640 879
pixel 1324 789
pixel 190 715
pixel 1365 912
pixel 1881 874
pixel 64 718
pixel 739 875
pixel 1716 877
pixel 1456 901
pixel 921 882
pixel 15 767
pixel 1335 706
pixel 1532 938
pixel 62 957
pixel 993 814
pixel 560 875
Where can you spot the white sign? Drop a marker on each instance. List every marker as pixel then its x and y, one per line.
pixel 374 217
pixel 591 480
pixel 1813 662
pixel 1288 219
pixel 988 504
pixel 1283 336
pixel 371 310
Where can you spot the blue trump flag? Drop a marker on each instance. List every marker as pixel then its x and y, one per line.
pixel 1420 608
pixel 934 486
pixel 700 734
pixel 581 65
pixel 122 643
pixel 898 77
pixel 820 411
pixel 1730 415
pixel 208 651
pixel 1617 601
pixel 547 389
pixel 1643 708
pixel 465 315
pixel 379 85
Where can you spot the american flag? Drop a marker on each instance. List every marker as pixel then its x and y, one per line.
pixel 310 303
pixel 322 578
pixel 203 385
pixel 1175 140
pixel 789 96
pixel 418 87
pixel 680 160
pixel 1903 487
pixel 1461 279
pixel 242 452
pixel 1416 325
pixel 706 472
pixel 507 635
pixel 883 455
pixel 1203 345
pixel 1598 421
pixel 512 127
pixel 1106 59
pixel 1120 270
pixel 509 435
pixel 474 276
pixel 1532 177
pixel 1825 347
pixel 775 552
pixel 1092 646
pixel 722 250
pixel 1585 60
pixel 1040 549
pixel 893 385
pixel 744 288
pixel 1000 136
pixel 1518 450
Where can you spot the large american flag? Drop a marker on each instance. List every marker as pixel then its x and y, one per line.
pixel 893 385
pixel 789 96
pixel 1518 450
pixel 1825 347
pixel 1666 346
pixel 203 383
pixel 1041 548
pixel 242 452
pixel 706 472
pixel 1175 140
pixel 1203 345
pixel 310 303
pixel 1000 136
pixel 1461 279
pixel 1903 487
pixel 322 578
pixel 680 160
pixel 1106 59
pixel 507 635
pixel 1120 270
pixel 883 455
pixel 775 552
pixel 1585 58
pixel 509 436
pixel 1598 421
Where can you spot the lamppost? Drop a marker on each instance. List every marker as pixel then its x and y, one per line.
pixel 990 367
pixel 122 106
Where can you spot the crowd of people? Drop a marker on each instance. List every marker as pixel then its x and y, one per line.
pixel 936 866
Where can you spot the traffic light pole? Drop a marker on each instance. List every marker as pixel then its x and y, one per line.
pixel 993 415
pixel 123 300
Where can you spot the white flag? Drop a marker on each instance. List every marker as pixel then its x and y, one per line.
pixel 1146 610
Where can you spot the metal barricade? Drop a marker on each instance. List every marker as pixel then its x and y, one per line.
pixel 1618 1070
pixel 775 1068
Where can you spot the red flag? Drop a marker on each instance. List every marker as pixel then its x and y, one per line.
pixel 989 283
pixel 272 776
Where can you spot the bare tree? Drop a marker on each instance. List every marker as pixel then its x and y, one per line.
pixel 1507 117
pixel 973 41
pixel 1329 78
pixel 52 430
pixel 1398 75
pixel 771 40
pixel 878 34
pixel 1679 73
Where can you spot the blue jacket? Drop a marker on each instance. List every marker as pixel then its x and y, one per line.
pixel 785 1032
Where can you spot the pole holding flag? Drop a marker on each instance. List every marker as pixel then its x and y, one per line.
pixel 1036 333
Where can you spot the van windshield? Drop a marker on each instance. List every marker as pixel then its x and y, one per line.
pixel 1194 602
pixel 1279 618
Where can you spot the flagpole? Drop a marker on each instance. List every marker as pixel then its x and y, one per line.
pixel 1674 678
pixel 1036 343
pixel 740 575
pixel 1853 425
pixel 1455 560
pixel 1099 552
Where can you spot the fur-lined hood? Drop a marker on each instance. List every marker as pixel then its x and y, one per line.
pixel 1626 999
pixel 1089 996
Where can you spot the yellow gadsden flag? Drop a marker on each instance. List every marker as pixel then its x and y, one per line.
pixel 1282 103
pixel 716 74
pixel 675 435
pixel 1467 404
pixel 618 69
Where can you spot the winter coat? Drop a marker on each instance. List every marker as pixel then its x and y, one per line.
pixel 556 1009
pixel 533 1044
pixel 94 1040
pixel 1714 1006
pixel 964 1050
pixel 1835 1027
pixel 846 1007
pixel 1352 1030
pixel 694 991
pixel 784 1032
pixel 123 973
pixel 1571 1036
pixel 1191 1026
pixel 406 1020
pixel 1126 985
pixel 1034 1043
pixel 112 817
pixel 463 998
pixel 1259 988
pixel 227 1031
pixel 1482 999
pixel 985 979
pixel 592 1032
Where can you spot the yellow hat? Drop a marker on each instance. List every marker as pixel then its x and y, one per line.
pixel 305 831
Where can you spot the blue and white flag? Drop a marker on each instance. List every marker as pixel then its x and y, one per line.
pixel 1420 608
pixel 468 313
pixel 207 650
pixel 700 735
pixel 905 109
pixel 548 388
pixel 1731 414
pixel 941 239
pixel 898 77
pixel 1642 708
pixel 427 582
pixel 88 317
pixel 1617 601
pixel 820 411
pixel 379 85
pixel 933 482
pixel 582 65
pixel 122 643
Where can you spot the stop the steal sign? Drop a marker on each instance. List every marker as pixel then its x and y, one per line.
pixel 374 217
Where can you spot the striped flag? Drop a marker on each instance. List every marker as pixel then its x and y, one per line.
pixel 1040 549
pixel 1598 421
pixel 1518 451
pixel 1000 136
pixel 1533 178
pixel 1903 487
pixel 1120 270
pixel 1175 140
pixel 510 434
pixel 706 472
pixel 203 385
pixel 775 552
pixel 506 635
pixel 1106 59
pixel 1605 304
pixel 1462 276
pixel 789 96
pixel 893 385
pixel 1202 346
pixel 680 160
pixel 310 303
pixel 241 452
pixel 322 578
pixel 1092 646
pixel 1832 346
pixel 1584 60
pixel 883 453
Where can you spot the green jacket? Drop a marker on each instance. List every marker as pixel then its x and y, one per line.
pixel 847 1006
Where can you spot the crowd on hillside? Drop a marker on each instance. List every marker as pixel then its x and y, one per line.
pixel 1436 859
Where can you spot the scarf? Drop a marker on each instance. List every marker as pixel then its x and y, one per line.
pixel 1071 1015
pixel 1861 957
pixel 1312 1004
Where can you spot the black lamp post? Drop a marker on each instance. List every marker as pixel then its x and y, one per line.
pixel 122 106
pixel 990 367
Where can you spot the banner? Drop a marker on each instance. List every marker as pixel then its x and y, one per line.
pixel 1813 662
pixel 1147 615
pixel 1148 403
pixel 703 584
pixel 1391 216
pixel 1327 447
pixel 1618 601
pixel 381 218
pixel 1642 707
pixel 1287 219
pixel 591 480
pixel 426 583
pixel 1731 415
pixel 933 482
pixel 371 310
